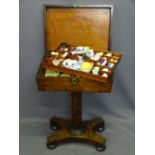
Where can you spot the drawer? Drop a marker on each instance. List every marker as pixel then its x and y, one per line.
pixel 72 84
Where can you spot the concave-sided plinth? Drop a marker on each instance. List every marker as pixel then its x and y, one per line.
pixel 76 130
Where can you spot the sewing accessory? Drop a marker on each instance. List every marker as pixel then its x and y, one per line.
pixel 97 56
pixel 80 59
pixel 56 62
pixel 105 75
pixel 105 70
pixel 51 73
pixel 66 49
pixel 102 61
pixel 72 64
pixel 85 48
pixel 86 66
pixel 112 60
pixel 79 50
pixel 95 70
pixel 73 52
pixel 115 61
pixel 89 53
pixel 110 65
pixel 54 53
pixel 108 54
pixel 65 54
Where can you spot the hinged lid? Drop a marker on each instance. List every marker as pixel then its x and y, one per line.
pixel 77 25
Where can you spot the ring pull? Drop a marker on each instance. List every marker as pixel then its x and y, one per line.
pixel 74 80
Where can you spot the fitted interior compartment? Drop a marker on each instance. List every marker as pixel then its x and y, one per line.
pixel 82 61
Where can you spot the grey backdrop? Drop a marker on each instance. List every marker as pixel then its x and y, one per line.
pixel 37 107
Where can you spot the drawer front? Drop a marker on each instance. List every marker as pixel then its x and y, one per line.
pixel 72 84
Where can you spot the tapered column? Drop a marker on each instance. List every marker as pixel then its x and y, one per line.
pixel 76 99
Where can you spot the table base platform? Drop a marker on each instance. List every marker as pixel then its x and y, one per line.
pixel 86 132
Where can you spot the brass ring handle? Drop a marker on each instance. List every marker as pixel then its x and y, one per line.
pixel 74 80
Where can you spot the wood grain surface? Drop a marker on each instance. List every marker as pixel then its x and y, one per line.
pixel 77 26
pixel 65 84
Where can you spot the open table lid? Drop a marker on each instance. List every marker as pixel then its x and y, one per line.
pixel 80 25
pixel 84 25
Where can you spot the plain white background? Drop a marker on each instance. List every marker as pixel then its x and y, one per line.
pixel 145 77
